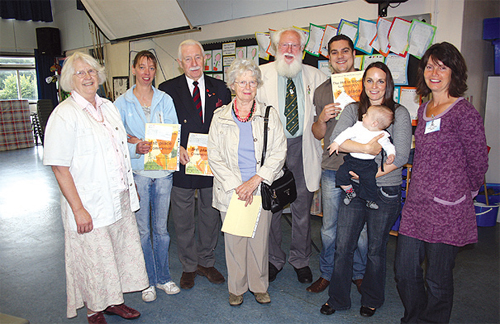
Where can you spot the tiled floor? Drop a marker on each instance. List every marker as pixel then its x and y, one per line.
pixel 32 277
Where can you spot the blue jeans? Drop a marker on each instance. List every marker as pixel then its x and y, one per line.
pixel 434 304
pixel 155 200
pixel 351 220
pixel 330 195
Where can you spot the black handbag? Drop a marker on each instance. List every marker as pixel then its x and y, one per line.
pixel 282 191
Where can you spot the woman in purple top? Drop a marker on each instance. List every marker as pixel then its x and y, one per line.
pixel 449 166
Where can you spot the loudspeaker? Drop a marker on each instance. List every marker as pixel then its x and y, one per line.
pixel 48 41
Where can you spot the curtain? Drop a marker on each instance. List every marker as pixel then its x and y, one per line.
pixel 36 10
pixel 43 64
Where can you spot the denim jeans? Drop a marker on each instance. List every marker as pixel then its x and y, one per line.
pixel 434 304
pixel 155 200
pixel 351 220
pixel 330 195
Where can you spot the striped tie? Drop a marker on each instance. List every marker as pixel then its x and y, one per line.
pixel 291 111
pixel 197 100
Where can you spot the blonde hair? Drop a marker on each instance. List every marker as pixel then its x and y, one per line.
pixel 68 70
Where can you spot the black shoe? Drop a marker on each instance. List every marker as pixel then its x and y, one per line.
pixel 273 272
pixel 367 311
pixel 304 275
pixel 327 310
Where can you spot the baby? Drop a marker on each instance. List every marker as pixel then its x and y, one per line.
pixel 376 119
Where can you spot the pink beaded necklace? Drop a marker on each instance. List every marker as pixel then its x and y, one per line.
pixel 247 118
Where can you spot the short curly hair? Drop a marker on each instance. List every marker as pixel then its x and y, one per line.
pixel 450 56
pixel 68 70
pixel 240 66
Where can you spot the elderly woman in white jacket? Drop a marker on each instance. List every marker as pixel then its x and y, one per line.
pixel 235 144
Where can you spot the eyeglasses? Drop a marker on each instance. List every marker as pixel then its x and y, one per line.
pixel 243 84
pixel 81 74
pixel 285 46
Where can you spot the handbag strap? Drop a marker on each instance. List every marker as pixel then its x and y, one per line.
pixel 266 123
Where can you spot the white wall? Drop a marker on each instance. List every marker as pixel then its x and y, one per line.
pixel 477 52
pixel 448 15
pixel 445 14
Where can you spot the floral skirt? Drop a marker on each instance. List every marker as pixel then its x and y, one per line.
pixel 104 264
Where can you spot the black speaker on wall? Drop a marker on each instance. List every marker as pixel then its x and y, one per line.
pixel 48 41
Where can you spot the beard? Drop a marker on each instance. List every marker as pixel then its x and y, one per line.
pixel 288 70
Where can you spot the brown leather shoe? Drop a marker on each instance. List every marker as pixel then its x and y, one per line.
pixel 318 286
pixel 358 283
pixel 187 280
pixel 212 274
pixel 97 318
pixel 123 311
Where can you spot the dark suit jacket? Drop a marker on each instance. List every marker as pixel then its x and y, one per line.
pixel 216 95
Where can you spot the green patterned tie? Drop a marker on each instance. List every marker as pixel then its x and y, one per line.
pixel 291 111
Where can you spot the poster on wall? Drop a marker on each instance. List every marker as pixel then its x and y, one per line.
pixel 253 53
pixel 241 52
pixel 208 61
pixel 229 48
pixel 227 60
pixel 217 60
pixel 399 68
pixel 324 66
pixel 330 31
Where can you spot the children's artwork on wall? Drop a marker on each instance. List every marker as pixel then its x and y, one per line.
pixel 381 40
pixel 217 60
pixel 369 59
pixel 253 53
pixel 397 91
pixel 263 41
pixel 218 76
pixel 398 36
pixel 270 48
pixel 227 60
pixel 324 66
pixel 314 41
pixel 399 68
pixel 349 29
pixel 420 37
pixel 409 98
pixel 208 61
pixel 330 31
pixel 358 61
pixel 241 52
pixel 367 30
pixel 229 48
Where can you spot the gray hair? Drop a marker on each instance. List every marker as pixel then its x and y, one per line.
pixel 189 42
pixel 68 70
pixel 239 67
pixel 275 37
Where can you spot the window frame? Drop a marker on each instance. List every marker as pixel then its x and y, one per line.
pixel 17 68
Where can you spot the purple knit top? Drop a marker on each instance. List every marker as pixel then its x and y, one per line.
pixel 448 169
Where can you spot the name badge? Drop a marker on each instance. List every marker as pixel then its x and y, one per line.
pixel 433 126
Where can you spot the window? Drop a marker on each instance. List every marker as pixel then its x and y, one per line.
pixel 18 78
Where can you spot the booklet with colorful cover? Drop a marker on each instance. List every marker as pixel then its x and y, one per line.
pixel 165 140
pixel 198 156
pixel 346 88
